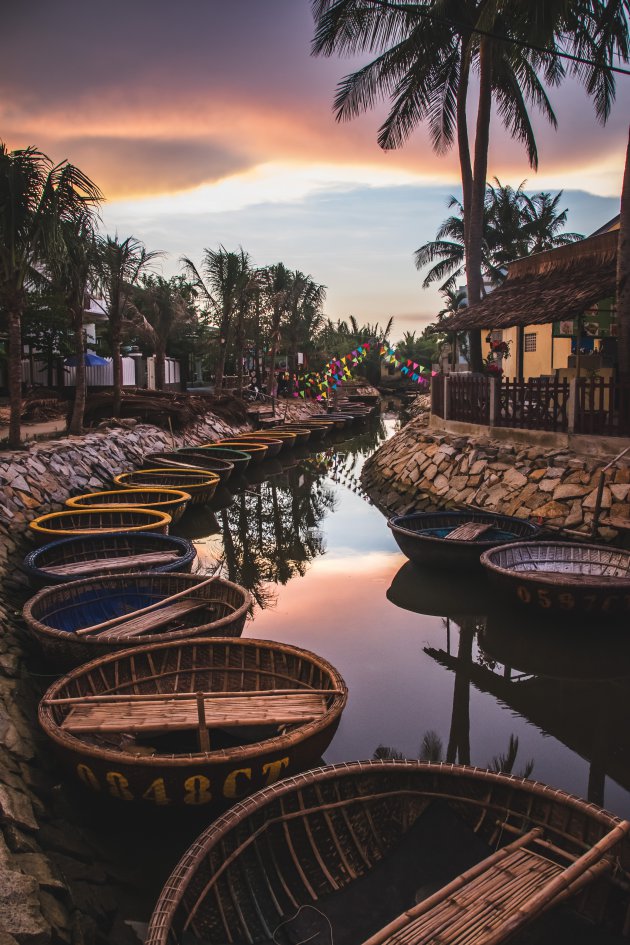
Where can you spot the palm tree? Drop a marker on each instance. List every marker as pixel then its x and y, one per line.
pixel 73 270
pixel 220 282
pixel 35 196
pixel 426 51
pixel 304 313
pixel 276 281
pixel 545 222
pixel 161 312
pixel 515 225
pixel 121 264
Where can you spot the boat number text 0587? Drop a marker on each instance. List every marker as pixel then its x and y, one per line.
pixel 196 788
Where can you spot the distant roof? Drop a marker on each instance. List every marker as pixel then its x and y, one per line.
pixel 559 284
pixel 613 224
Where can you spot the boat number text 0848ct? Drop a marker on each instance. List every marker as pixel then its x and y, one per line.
pixel 197 788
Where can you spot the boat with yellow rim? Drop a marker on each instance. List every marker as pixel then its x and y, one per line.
pixel 201 485
pixel 53 525
pixel 172 501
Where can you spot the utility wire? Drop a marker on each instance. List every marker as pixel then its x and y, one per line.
pixel 460 27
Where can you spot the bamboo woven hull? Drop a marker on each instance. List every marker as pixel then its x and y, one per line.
pixel 81 551
pixel 274 446
pixel 421 536
pixel 192 459
pixel 257 453
pixel 574 581
pixel 54 614
pixel 238 458
pixel 201 487
pixel 302 434
pixel 57 525
pixel 360 844
pixel 156 500
pixel 213 779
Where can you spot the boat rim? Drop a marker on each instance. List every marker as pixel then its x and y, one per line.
pixel 550 577
pixel 339 694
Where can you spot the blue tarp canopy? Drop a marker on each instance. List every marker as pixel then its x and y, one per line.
pixel 90 360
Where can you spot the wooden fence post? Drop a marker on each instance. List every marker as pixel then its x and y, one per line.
pixel 435 382
pixel 572 405
pixel 493 400
pixel 447 406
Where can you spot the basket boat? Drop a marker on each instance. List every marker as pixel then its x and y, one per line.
pixel 238 458
pixel 126 610
pixel 316 429
pixel 288 438
pixel 191 459
pixel 302 434
pixel 273 443
pixel 562 577
pixel 338 422
pixel 386 853
pixel 86 555
pixel 317 425
pixel 199 484
pixel 53 525
pixel 172 501
pixel 194 723
pixel 256 451
pixel 455 539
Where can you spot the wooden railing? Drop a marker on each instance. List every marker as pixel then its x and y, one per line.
pixel 588 405
pixel 469 398
pixel 602 407
pixel 537 404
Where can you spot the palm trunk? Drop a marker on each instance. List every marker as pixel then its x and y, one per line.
pixel 623 276
pixel 223 341
pixel 475 232
pixel 117 367
pixel 463 144
pixel 160 366
pixel 240 350
pixel 14 369
pixel 78 410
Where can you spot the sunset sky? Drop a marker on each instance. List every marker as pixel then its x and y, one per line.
pixel 208 122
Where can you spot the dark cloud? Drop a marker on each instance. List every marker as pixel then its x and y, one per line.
pixel 137 166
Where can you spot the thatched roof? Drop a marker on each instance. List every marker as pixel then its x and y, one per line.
pixel 547 287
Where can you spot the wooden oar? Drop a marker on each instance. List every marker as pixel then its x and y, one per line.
pixel 95 628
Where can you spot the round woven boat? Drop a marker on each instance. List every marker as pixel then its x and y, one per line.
pixel 287 437
pixel 86 555
pixel 317 430
pixel 53 525
pixel 302 434
pixel 338 422
pixel 274 443
pixel 256 451
pixel 269 709
pixel 199 484
pixel 238 458
pixel 572 579
pixel 369 852
pixel 172 501
pixel 422 536
pixel 188 459
pixel 55 616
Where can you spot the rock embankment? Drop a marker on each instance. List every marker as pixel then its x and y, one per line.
pixel 60 884
pixel 419 469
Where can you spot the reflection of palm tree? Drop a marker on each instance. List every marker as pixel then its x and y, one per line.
pixel 504 764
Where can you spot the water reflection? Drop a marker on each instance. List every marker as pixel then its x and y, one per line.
pixel 573 689
pixel 265 527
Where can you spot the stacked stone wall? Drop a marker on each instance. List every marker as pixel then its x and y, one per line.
pixel 418 469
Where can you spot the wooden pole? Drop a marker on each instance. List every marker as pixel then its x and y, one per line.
pixel 600 491
pixel 97 627
pixel 204 737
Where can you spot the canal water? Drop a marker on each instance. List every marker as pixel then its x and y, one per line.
pixel 436 667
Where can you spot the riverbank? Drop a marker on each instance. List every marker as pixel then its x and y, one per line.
pixel 59 884
pixel 419 468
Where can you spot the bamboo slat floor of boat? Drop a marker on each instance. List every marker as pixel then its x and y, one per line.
pixel 500 895
pixel 128 563
pixel 135 715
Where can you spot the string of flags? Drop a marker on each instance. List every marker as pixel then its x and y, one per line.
pixel 318 384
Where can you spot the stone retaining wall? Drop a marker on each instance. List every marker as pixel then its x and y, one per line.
pixel 418 469
pixel 58 883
